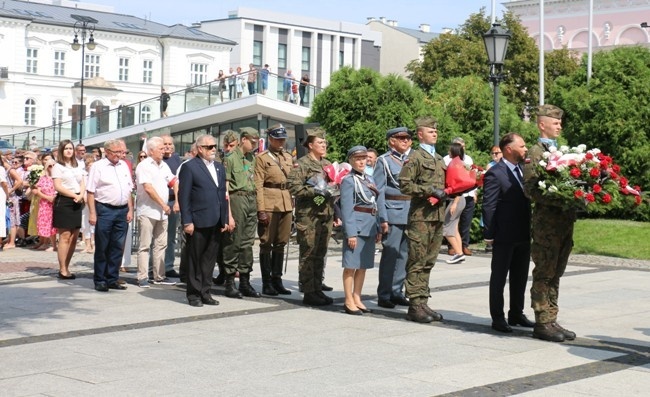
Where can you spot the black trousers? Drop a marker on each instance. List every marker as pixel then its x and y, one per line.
pixel 202 246
pixel 465 221
pixel 513 258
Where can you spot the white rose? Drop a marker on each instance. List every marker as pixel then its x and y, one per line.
pixel 561 167
pixel 582 148
pixel 564 149
pixel 546 155
pixel 542 184
pixel 552 149
pixel 552 189
pixel 542 163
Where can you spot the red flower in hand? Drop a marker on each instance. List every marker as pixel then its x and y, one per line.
pixel 616 168
pixel 575 172
pixel 433 200
pixel 613 175
pixel 597 188
pixel 589 156
pixel 590 197
pixel 594 172
pixel 623 182
pixel 578 194
pixel 607 198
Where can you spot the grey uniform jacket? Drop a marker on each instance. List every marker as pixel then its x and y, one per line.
pixel 386 174
pixel 358 223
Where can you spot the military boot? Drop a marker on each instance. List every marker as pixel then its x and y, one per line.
pixel 568 335
pixel 265 268
pixel 324 297
pixel 434 314
pixel 231 291
pixel 245 286
pixel 547 331
pixel 221 278
pixel 313 299
pixel 416 313
pixel 277 260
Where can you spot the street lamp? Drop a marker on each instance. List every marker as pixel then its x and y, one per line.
pixel 496 44
pixel 85 26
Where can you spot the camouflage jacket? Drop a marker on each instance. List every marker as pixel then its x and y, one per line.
pixel 420 174
pixel 306 168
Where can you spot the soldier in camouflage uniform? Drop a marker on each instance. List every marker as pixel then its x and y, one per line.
pixel 238 245
pixel 230 142
pixel 552 234
pixel 422 177
pixel 274 206
pixel 314 216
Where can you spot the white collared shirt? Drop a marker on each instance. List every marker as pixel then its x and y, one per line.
pixel 159 176
pixel 111 183
pixel 212 169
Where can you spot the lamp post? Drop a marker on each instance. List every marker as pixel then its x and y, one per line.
pixel 496 44
pixel 84 26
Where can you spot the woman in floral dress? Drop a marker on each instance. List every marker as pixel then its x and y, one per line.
pixel 47 193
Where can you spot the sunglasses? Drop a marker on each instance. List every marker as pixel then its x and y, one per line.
pixel 402 138
pixel 495 153
pixel 209 147
pixel 143 157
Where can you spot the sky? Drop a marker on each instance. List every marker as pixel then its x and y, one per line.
pixel 438 14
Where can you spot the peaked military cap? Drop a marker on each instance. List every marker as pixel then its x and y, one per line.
pixel 277 131
pixel 550 111
pixel 357 150
pixel 398 130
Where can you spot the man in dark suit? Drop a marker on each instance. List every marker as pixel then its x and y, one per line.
pixel 204 215
pixel 506 214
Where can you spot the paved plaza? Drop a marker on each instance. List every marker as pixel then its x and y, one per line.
pixel 62 338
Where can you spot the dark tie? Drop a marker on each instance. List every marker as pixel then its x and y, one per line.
pixel 519 174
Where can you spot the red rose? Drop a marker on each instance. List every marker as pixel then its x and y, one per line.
pixel 589 156
pixel 575 172
pixel 613 175
pixel 590 197
pixel 616 168
pixel 597 188
pixel 623 182
pixel 637 199
pixel 600 156
pixel 607 198
pixel 594 172
pixel 578 194
pixel 637 188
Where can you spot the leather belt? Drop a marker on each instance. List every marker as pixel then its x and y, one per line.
pixel 398 197
pixel 243 193
pixel 366 210
pixel 281 186
pixel 115 207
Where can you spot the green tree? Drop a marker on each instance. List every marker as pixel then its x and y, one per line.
pixel 359 106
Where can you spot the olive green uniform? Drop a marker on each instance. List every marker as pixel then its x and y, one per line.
pixel 552 241
pixel 420 174
pixel 313 222
pixel 238 245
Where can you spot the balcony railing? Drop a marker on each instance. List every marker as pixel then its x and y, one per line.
pixel 103 120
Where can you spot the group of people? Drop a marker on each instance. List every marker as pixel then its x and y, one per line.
pixel 402 201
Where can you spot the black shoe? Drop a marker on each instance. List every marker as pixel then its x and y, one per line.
pixel 365 310
pixel 117 286
pixel 279 287
pixel 313 299
pixel 70 277
pixel 400 300
pixel 548 332
pixel 210 301
pixel 501 325
pixel 434 314
pixel 521 320
pixel 267 289
pixel 231 291
pixel 219 280
pixel 324 287
pixel 172 273
pixel 196 303
pixel 357 312
pixel 101 287
pixel 568 335
pixel 385 303
pixel 325 297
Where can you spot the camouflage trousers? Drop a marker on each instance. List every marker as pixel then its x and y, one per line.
pixel 424 240
pixel 313 237
pixel 238 245
pixel 550 251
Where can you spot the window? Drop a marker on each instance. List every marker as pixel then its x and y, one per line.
pixel 32 60
pixel 59 63
pixel 91 66
pixel 145 114
pixel 123 72
pixel 57 112
pixel 341 58
pixel 306 58
pixel 257 53
pixel 198 73
pixel 30 112
pixel 147 71
pixel 282 56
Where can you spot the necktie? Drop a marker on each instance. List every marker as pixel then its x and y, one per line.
pixel 519 174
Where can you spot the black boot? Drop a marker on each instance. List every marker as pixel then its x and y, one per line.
pixel 231 291
pixel 221 278
pixel 245 286
pixel 265 267
pixel 313 299
pixel 276 273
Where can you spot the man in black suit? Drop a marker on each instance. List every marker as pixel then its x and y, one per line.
pixel 204 215
pixel 506 214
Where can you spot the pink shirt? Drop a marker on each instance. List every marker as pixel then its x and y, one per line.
pixel 111 183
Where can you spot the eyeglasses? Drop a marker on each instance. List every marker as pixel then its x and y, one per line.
pixel 116 151
pixel 495 153
pixel 143 157
pixel 208 147
pixel 402 138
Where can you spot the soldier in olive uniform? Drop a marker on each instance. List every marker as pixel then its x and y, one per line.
pixel 238 245
pixel 422 177
pixel 230 142
pixel 552 234
pixel 274 206
pixel 314 216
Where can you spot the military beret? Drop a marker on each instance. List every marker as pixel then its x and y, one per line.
pixel 316 132
pixel 357 150
pixel 249 132
pixel 398 130
pixel 277 131
pixel 550 111
pixel 427 122
pixel 230 136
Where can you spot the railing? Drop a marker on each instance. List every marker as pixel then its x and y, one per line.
pixel 103 120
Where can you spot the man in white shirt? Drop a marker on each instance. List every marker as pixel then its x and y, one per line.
pixel 153 179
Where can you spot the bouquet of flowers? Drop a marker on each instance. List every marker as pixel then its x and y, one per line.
pixel 479 173
pixel 585 179
pixel 34 174
pixel 458 179
pixel 330 180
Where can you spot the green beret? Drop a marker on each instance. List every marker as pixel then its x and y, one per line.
pixel 550 111
pixel 249 132
pixel 315 132
pixel 427 122
pixel 230 136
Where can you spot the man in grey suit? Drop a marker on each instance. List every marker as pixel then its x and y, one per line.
pixel 204 215
pixel 395 211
